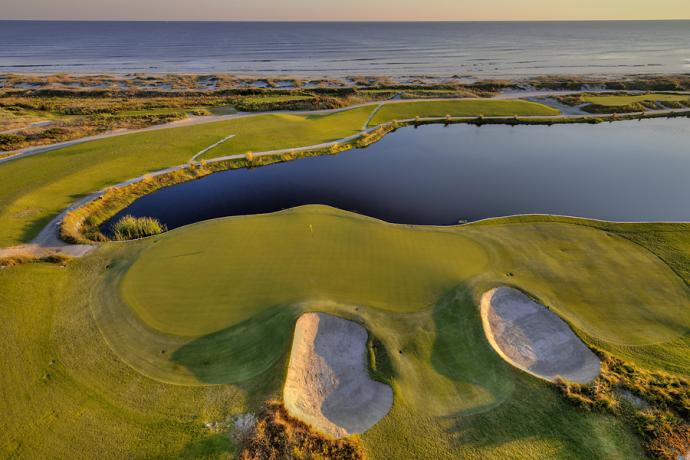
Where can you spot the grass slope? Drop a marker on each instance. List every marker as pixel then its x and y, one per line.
pixel 36 188
pixel 460 108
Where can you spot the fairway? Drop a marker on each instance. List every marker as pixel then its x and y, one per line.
pixel 623 100
pixel 36 188
pixel 460 108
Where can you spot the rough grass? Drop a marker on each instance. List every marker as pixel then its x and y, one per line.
pixel 460 108
pixel 66 395
pixel 658 405
pixel 36 188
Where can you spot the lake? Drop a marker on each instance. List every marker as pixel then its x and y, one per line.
pixel 436 175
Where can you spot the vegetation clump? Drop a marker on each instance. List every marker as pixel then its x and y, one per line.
pixel 380 366
pixel 131 228
pixel 655 403
pixel 54 258
pixel 277 435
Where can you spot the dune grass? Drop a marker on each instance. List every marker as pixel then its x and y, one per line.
pixel 132 228
pixel 619 100
pixel 36 188
pixel 227 294
pixel 275 98
pixel 460 108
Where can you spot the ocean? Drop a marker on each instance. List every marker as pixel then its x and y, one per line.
pixel 339 49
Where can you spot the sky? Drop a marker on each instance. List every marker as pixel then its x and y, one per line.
pixel 344 10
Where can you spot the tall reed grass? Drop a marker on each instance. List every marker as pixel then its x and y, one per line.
pixel 131 228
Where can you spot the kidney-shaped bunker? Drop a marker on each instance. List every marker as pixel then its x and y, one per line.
pixel 327 384
pixel 532 338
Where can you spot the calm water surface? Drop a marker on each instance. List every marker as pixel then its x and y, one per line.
pixel 623 171
pixel 477 49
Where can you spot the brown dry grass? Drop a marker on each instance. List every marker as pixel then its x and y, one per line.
pixel 279 436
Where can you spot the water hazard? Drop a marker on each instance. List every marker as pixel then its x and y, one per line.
pixel 436 175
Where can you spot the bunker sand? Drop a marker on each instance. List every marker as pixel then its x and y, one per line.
pixel 327 383
pixel 532 338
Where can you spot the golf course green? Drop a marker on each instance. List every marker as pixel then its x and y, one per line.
pixel 150 348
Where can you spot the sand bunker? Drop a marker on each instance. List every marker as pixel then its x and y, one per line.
pixel 327 384
pixel 532 338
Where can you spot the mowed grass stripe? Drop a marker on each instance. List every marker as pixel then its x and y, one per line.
pixel 460 108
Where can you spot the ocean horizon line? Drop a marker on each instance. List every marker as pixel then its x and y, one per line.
pixel 287 21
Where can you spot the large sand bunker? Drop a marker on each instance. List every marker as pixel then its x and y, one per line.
pixel 532 338
pixel 327 384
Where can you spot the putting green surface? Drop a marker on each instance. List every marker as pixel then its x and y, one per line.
pixel 622 100
pixel 460 108
pixel 209 276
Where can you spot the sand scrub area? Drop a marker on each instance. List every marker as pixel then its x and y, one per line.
pixel 327 383
pixel 532 338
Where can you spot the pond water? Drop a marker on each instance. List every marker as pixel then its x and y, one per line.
pixel 437 175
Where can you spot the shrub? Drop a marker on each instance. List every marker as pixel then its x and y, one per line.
pixel 131 228
pixel 11 141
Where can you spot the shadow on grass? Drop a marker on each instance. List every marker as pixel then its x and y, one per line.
pixel 528 417
pixel 462 353
pixel 536 422
pixel 241 352
pixel 213 446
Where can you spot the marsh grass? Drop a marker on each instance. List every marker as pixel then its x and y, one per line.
pixel 662 419
pixel 132 228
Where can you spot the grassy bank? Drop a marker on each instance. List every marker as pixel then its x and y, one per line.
pixel 82 225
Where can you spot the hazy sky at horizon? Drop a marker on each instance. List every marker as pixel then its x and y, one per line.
pixel 344 10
